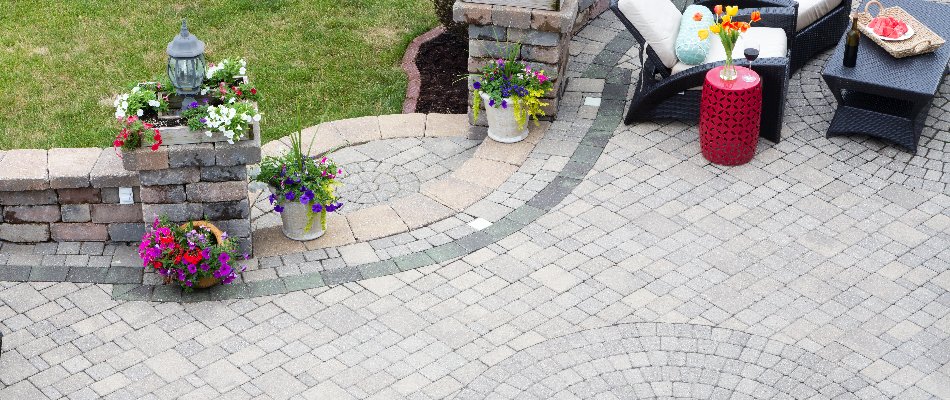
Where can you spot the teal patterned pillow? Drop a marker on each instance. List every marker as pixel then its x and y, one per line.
pixel 689 48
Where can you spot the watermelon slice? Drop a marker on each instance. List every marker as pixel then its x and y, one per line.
pixel 888 27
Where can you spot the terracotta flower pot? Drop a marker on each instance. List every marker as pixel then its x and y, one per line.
pixel 502 126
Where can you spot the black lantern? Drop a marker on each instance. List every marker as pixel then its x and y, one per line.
pixel 186 63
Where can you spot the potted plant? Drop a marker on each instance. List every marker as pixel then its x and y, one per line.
pixel 512 92
pixel 226 109
pixel 302 189
pixel 196 255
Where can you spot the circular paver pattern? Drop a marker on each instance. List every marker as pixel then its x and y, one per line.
pixel 386 170
pixel 662 361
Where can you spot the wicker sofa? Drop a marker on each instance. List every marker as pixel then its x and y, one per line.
pixel 666 90
pixel 819 24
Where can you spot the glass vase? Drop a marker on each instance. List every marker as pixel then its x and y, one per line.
pixel 728 72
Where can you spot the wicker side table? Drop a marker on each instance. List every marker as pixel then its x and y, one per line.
pixel 729 117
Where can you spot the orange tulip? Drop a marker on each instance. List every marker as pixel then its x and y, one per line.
pixel 743 26
pixel 756 16
pixel 718 9
pixel 698 17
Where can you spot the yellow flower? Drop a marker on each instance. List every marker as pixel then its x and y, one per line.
pixel 714 29
pixel 732 10
pixel 726 19
pixel 703 34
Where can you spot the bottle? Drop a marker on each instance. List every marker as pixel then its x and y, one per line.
pixel 851 45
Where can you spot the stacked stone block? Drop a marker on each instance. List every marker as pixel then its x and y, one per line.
pixel 544 36
pixel 206 181
pixel 66 195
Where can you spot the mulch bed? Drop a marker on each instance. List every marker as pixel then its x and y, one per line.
pixel 442 62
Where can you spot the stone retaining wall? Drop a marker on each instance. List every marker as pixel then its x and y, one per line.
pixel 545 36
pixel 72 195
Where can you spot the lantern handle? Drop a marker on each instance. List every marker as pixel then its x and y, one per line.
pixel 184 27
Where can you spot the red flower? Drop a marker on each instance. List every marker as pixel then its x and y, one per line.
pixel 156 264
pixel 192 258
pixel 253 91
pixel 147 125
pixel 155 146
pixel 118 143
pixel 166 240
pixel 239 92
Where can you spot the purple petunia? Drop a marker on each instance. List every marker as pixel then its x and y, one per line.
pixel 278 208
pixel 491 103
pixel 504 104
pixel 290 196
pixel 316 207
pixel 477 85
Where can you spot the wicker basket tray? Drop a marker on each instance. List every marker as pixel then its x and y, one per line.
pixel 923 41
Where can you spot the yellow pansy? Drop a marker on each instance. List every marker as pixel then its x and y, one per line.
pixel 703 34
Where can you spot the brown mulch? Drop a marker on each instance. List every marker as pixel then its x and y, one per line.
pixel 442 64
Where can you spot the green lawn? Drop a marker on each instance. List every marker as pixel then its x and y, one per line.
pixel 61 62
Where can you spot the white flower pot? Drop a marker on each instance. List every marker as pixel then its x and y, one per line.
pixel 502 126
pixel 294 219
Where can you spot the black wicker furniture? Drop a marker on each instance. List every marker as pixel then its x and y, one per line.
pixel 886 97
pixel 662 94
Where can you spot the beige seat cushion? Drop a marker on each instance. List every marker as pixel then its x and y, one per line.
pixel 810 11
pixel 658 21
pixel 772 43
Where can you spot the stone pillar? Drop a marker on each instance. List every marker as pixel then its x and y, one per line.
pixel 206 181
pixel 545 35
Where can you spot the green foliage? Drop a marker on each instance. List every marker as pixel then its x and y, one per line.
pixel 196 116
pixel 296 176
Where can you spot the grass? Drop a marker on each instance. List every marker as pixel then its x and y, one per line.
pixel 62 62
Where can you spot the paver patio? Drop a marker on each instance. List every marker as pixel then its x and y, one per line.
pixel 620 264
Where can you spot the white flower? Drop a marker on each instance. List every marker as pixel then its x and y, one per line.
pixel 209 133
pixel 136 89
pixel 243 62
pixel 125 96
pixel 257 117
pixel 117 102
pixel 140 112
pixel 154 103
pixel 242 71
pixel 232 100
pixel 119 114
pixel 125 105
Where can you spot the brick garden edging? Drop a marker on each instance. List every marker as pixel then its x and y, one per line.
pixel 413 87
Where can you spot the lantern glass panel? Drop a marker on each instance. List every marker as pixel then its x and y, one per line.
pixel 186 74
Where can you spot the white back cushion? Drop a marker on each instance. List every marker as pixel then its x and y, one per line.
pixel 658 21
pixel 810 11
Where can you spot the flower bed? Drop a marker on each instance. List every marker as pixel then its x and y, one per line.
pixel 153 115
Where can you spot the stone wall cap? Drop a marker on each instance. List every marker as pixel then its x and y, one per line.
pixel 24 169
pixel 109 172
pixel 70 168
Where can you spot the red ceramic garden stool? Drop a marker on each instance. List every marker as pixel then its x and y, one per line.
pixel 729 117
